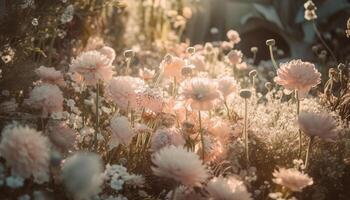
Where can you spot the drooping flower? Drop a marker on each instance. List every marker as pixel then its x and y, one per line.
pixel 47 97
pixel 292 179
pixel 178 164
pixel 235 57
pixel 122 132
pixel 318 124
pixel 123 91
pixel 200 93
pixel 233 36
pixel 26 151
pixel 91 67
pixel 298 75
pixel 165 137
pixel 227 85
pixel 108 52
pixel 50 75
pixel 229 188
pixel 171 67
pixel 82 175
pixel 62 136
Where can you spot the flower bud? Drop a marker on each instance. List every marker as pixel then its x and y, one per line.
pixel 129 53
pixel 245 93
pixel 191 50
pixel 253 73
pixel 268 86
pixel 270 42
pixel 254 49
pixel 341 66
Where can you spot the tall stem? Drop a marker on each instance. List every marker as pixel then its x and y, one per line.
pixel 322 41
pixel 246 132
pixel 228 110
pixel 174 87
pixel 273 58
pixel 97 115
pixel 308 152
pixel 201 132
pixel 298 111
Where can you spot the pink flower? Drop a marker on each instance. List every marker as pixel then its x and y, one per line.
pixel 235 57
pixel 227 85
pixel 63 137
pixel 233 36
pixel 242 66
pixel 180 165
pixel 92 66
pixel 150 100
pixel 227 45
pixel 46 97
pixel 229 188
pixel 123 91
pixel 298 75
pixel 165 137
pixel 213 149
pixel 172 67
pixel 219 128
pixel 50 75
pixel 146 74
pixel 27 152
pixel 108 52
pixel 321 125
pixel 292 179
pixel 200 93
pixel 198 61
pixel 122 132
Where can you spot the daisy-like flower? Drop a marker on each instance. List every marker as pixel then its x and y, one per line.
pixel 233 36
pixel 165 137
pixel 47 97
pixel 62 136
pixel 298 75
pixel 235 57
pixel 83 182
pixel 229 188
pixel 227 85
pixel 50 75
pixel 123 91
pixel 26 151
pixel 318 124
pixel 171 67
pixel 200 93
pixel 91 67
pixel 178 164
pixel 292 179
pixel 122 132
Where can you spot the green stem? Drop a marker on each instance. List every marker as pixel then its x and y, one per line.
pixel 322 41
pixel 308 152
pixel 246 139
pixel 273 58
pixel 201 132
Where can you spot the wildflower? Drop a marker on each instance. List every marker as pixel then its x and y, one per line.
pixel 310 10
pixel 292 179
pixel 235 57
pixel 146 74
pixel 219 128
pixel 91 67
pixel 62 136
pixel 233 36
pixel 122 132
pixel 14 182
pixel 150 100
pixel 68 14
pixel 321 125
pixel 198 61
pixel 227 188
pixel 47 97
pixel 200 93
pixel 108 52
pixel 165 137
pixel 172 67
pixel 26 151
pixel 227 85
pixel 298 75
pixel 50 75
pixel 82 182
pixel 123 91
pixel 178 164
pixel 213 148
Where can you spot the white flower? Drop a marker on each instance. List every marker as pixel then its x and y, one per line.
pixel 292 179
pixel 14 181
pixel 68 14
pixel 122 132
pixel 227 189
pixel 117 183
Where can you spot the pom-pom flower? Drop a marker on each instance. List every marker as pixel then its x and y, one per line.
pixel 227 85
pixel 292 179
pixel 165 137
pixel 50 75
pixel 62 136
pixel 122 132
pixel 123 90
pixel 227 188
pixel 27 152
pixel 47 97
pixel 109 53
pixel 171 67
pixel 235 57
pixel 321 125
pixel 82 175
pixel 298 75
pixel 178 164
pixel 233 36
pixel 200 93
pixel 91 67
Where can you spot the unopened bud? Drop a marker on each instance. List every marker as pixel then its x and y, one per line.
pixel 270 42
pixel 129 53
pixel 253 73
pixel 245 93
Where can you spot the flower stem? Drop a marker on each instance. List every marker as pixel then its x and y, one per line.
pixel 308 152
pixel 201 132
pixel 173 193
pixel 298 111
pixel 246 132
pixel 228 110
pixel 174 87
pixel 273 58
pixel 322 41
pixel 97 115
